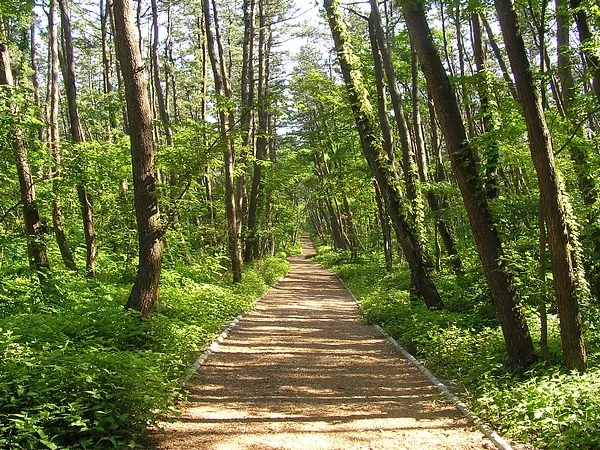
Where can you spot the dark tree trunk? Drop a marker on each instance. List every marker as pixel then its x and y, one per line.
pixel 540 145
pixel 77 135
pixel 34 229
pixel 518 341
pixel 379 163
pixel 144 294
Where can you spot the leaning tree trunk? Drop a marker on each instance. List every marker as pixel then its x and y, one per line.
pixel 378 161
pixel 144 294
pixel 77 135
pixel 36 245
pixel 588 48
pixel 554 204
pixel 518 341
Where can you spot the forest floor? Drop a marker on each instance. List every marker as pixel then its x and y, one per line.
pixel 302 371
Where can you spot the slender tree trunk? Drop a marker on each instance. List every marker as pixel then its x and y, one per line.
pixel 386 233
pixel 419 142
pixel 160 96
pixel 554 205
pixel 34 229
pixel 77 135
pixel 378 161
pixel 144 295
pixel 226 122
pixel 499 58
pixel 491 150
pixel 409 168
pixel 251 250
pixel 588 48
pixel 518 341
pixel 543 295
pixel 580 154
pixel 247 104
pixel 54 136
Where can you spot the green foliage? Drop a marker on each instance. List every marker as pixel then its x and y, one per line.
pixel 78 371
pixel 464 345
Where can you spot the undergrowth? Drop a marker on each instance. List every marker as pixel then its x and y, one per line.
pixel 546 407
pixel 77 371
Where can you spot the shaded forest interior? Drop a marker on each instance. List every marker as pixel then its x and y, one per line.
pixel 160 159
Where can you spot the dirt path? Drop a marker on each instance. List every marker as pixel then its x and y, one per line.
pixel 302 371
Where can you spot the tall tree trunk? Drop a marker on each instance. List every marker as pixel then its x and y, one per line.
pixel 378 161
pixel 386 233
pixel 543 295
pixel 419 142
pixel 77 135
pixel 160 96
pixel 54 136
pixel 226 121
pixel 499 58
pixel 580 154
pixel 491 150
pixel 588 48
pixel 247 103
pixel 409 169
pixel 108 87
pixel 518 341
pixel 144 294
pixel 34 229
pixel 251 250
pixel 540 145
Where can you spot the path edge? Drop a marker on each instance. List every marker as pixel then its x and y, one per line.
pixel 498 441
pixel 224 334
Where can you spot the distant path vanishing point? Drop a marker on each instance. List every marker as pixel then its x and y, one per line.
pixel 301 371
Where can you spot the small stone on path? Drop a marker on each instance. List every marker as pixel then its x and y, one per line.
pixel 302 371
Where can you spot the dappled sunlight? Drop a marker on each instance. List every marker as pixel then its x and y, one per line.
pixel 302 371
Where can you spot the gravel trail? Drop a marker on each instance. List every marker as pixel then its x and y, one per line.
pixel 301 371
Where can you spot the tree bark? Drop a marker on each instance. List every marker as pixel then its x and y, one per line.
pixel 34 228
pixel 540 145
pixel 491 150
pixel 77 134
pixel 378 161
pixel 144 295
pixel 586 38
pixel 226 122
pixel 160 96
pixel 518 341
pixel 54 136
pixel 499 58
pixel 247 103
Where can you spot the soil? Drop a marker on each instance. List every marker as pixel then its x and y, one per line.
pixel 302 371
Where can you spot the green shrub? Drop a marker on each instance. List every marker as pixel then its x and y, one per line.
pixel 463 343
pixel 78 371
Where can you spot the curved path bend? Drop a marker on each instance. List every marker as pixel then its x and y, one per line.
pixel 301 371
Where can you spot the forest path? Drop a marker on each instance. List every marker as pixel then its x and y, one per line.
pixel 301 371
